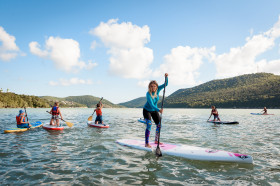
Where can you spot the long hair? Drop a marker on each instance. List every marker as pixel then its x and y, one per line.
pixel 149 89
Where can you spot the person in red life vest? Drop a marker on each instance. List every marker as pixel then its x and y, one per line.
pixel 98 111
pixel 55 112
pixel 22 121
pixel 215 113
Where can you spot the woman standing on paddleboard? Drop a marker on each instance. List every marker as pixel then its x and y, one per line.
pixel 151 110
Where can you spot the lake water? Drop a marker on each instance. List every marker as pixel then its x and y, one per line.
pixel 83 155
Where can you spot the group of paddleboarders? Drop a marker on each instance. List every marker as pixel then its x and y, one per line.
pixel 150 111
pixel 22 121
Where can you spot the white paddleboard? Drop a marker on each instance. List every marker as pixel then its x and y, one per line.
pixel 92 124
pixel 189 152
pixel 52 127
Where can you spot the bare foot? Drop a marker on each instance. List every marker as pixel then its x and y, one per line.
pixel 148 145
pixel 159 143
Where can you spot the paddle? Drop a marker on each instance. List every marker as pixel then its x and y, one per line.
pixel 69 124
pixel 90 118
pixel 158 151
pixel 26 116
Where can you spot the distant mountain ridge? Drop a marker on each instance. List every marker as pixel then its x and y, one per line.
pixel 245 91
pixel 136 103
pixel 80 101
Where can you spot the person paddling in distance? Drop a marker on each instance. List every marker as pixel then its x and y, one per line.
pixel 264 111
pixel 151 110
pixel 98 110
pixel 55 112
pixel 215 113
pixel 21 120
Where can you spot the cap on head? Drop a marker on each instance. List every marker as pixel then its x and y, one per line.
pixel 21 111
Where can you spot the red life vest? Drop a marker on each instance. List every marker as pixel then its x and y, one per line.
pixel 55 110
pixel 18 118
pixel 98 112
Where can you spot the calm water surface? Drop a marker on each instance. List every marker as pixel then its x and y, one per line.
pixel 82 155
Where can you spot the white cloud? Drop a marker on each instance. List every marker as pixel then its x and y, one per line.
pixel 8 49
pixel 91 65
pixel 242 60
pixel 69 82
pixel 129 58
pixel 143 83
pixel 93 45
pixel 35 49
pixel 183 63
pixel 65 53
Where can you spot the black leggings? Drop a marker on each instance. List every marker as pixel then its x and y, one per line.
pixel 156 118
pixel 154 114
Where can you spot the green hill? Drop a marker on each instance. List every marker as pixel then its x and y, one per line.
pixel 246 91
pixel 137 103
pixel 80 101
pixel 12 100
pixel 62 102
pixel 91 101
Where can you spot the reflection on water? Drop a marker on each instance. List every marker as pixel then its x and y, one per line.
pixel 84 155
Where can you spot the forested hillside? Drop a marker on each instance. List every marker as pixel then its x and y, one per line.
pixel 246 91
pixel 80 101
pixel 91 101
pixel 12 100
pixel 62 102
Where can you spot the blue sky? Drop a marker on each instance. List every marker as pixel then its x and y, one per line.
pixel 112 49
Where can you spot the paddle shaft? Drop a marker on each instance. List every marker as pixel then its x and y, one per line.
pixel 161 113
pixel 26 114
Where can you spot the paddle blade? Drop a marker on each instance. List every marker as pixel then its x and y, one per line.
pixel 158 152
pixel 90 118
pixel 69 124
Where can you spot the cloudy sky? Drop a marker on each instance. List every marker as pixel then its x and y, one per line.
pixel 112 49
